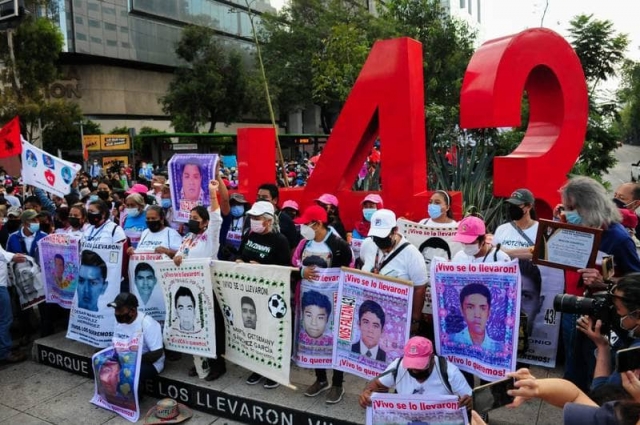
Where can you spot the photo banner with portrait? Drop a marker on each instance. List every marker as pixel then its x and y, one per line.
pixel 255 303
pixel 403 409
pixel 478 315
pixel 190 175
pixel 47 172
pixel 189 324
pixel 26 277
pixel 99 274
pixel 117 374
pixel 372 320
pixel 144 283
pixel 60 261
pixel 314 325
pixel 431 242
pixel 543 321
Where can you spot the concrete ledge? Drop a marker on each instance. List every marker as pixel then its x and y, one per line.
pixel 227 397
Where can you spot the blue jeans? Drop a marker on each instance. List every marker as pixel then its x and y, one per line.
pixel 6 318
pixel 580 360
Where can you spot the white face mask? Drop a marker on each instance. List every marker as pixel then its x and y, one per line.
pixel 471 249
pixel 307 232
pixel 257 226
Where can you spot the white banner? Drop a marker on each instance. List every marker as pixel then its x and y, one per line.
pixel 60 260
pixel 27 278
pixel 255 302
pixel 145 284
pixel 543 322
pixel 47 172
pixel 117 374
pixel 431 242
pixel 478 315
pixel 403 409
pixel 189 325
pixel 373 320
pixel 314 319
pixel 99 274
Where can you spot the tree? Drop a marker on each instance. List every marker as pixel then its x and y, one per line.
pixel 37 43
pixel 601 51
pixel 211 87
pixel 629 99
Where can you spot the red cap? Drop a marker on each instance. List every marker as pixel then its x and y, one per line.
pixel 311 214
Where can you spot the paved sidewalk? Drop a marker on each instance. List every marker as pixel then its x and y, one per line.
pixel 34 394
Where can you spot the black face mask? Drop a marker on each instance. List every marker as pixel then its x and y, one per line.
pixel 103 194
pixel 94 218
pixel 515 212
pixel 194 226
pixel 154 226
pixel 74 222
pixel 383 243
pixel 619 203
pixel 420 376
pixel 123 318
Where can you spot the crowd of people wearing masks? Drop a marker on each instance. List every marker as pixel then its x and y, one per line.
pixel 268 231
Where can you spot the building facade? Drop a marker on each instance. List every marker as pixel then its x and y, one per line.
pixel 119 54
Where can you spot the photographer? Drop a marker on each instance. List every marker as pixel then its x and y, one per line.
pixel 586 203
pixel 625 297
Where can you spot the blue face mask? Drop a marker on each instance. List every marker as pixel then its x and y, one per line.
pixel 573 217
pixel 165 203
pixel 237 211
pixel 93 198
pixel 34 227
pixel 367 213
pixel 133 212
pixel 435 211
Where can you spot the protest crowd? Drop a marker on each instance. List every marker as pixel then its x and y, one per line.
pixel 446 330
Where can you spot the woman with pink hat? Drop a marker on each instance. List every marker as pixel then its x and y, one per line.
pixel 330 203
pixel 370 204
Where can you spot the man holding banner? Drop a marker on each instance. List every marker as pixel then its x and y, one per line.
pixel 420 371
pixel 319 250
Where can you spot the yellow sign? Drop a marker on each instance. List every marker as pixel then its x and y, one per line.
pixel 108 161
pixel 115 142
pixel 92 142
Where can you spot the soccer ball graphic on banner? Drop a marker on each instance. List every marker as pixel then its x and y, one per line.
pixel 277 306
pixel 228 314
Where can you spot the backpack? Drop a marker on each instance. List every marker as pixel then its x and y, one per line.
pixel 442 371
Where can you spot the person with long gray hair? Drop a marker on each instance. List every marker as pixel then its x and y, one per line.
pixel 586 203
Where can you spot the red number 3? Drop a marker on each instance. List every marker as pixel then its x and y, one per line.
pixel 387 102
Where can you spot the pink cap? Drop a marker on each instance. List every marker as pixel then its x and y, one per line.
pixel 138 188
pixel 328 199
pixel 291 204
pixel 417 353
pixel 372 197
pixel 469 229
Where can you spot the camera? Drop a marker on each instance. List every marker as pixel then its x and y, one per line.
pixel 598 307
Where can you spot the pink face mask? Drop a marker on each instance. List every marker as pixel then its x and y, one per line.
pixel 257 226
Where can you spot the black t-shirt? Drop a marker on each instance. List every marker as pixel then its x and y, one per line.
pixel 267 248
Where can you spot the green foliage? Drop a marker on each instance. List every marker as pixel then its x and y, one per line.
pixel 119 130
pixel 211 87
pixel 601 51
pixel 63 132
pixel 629 98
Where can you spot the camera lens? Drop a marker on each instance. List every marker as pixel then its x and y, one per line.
pixel 573 304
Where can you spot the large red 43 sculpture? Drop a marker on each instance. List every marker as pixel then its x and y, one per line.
pixel 387 101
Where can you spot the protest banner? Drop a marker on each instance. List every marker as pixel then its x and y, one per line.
pixel 99 274
pixel 543 322
pixel 373 320
pixel 403 409
pixel 190 175
pixel 431 242
pixel 60 261
pixel 314 324
pixel 189 325
pixel 144 284
pixel 27 279
pixel 478 315
pixel 116 373
pixel 47 172
pixel 255 303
